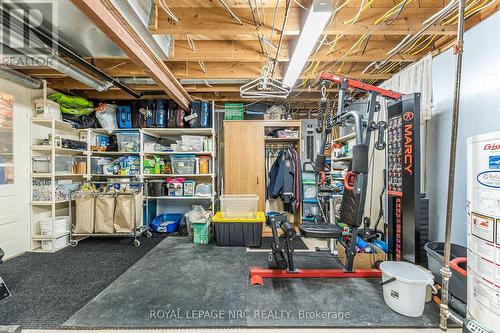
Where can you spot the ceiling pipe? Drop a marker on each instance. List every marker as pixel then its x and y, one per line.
pixel 146 81
pixel 213 81
pixel 48 57
pixel 46 37
pixel 19 78
pixel 130 14
pixel 70 70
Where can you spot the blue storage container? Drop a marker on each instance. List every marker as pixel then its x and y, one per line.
pixel 161 113
pixel 205 115
pixel 202 110
pixel 124 115
pixel 149 113
pixel 166 223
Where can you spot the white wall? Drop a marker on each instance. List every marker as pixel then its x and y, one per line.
pixel 14 199
pixel 479 113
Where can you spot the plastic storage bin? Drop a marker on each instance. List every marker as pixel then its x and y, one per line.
pixel 240 206
pixel 238 231
pixel 311 209
pixel 458 282
pixel 59 243
pixel 192 142
pixel 60 223
pixel 42 164
pixel 166 223
pixel 124 115
pixel 128 141
pixel 183 164
pixel 201 232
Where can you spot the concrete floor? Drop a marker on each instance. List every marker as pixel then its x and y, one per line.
pixel 270 330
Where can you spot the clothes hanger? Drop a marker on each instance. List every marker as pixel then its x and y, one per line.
pixel 265 87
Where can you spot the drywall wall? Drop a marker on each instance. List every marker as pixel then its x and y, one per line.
pixel 14 198
pixel 479 113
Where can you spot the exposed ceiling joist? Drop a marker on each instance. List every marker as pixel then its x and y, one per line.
pixel 105 16
pixel 192 70
pixel 250 51
pixel 216 22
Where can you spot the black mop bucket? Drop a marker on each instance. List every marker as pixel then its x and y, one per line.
pixel 458 266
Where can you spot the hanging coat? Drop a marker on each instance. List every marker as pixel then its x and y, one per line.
pixel 282 180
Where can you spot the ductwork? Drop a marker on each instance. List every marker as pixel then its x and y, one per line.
pixel 149 81
pixel 137 80
pixel 137 13
pixel 213 81
pixel 19 78
pixel 65 67
pixel 45 56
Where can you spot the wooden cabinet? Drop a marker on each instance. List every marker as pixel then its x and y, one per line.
pixel 244 156
pixel 244 169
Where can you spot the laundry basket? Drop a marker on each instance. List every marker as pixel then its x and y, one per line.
pixel 405 287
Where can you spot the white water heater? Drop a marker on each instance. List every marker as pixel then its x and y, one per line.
pixel 483 229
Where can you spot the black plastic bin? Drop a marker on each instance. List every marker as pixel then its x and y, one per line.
pixel 458 282
pixel 238 232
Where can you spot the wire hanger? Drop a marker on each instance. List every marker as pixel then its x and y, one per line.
pixel 264 87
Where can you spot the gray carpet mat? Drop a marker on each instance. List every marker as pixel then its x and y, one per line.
pixel 179 284
pixel 48 288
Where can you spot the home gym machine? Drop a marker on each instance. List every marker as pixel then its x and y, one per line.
pixel 281 263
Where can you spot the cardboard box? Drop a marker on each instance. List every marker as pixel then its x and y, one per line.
pixel 363 260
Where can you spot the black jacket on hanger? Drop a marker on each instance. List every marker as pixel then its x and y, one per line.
pixel 283 180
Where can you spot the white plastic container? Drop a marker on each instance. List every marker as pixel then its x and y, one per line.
pixel 192 142
pixel 243 206
pixel 405 287
pixel 59 243
pixel 61 225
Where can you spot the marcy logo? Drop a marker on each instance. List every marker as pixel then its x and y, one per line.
pixel 408 152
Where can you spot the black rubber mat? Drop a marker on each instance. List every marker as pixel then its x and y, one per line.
pixel 180 284
pixel 298 244
pixel 48 288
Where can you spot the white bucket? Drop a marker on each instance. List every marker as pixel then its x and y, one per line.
pixel 405 287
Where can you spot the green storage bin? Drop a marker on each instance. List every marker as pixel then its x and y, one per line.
pixel 234 111
pixel 201 233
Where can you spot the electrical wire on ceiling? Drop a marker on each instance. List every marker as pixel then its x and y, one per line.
pixel 202 66
pixel 411 44
pixel 362 7
pixel 282 33
pixel 253 14
pixel 233 15
pixel 390 16
pixel 191 42
pixel 166 9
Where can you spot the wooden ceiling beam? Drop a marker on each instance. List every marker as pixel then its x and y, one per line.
pixel 229 51
pixel 192 70
pixel 69 84
pixel 309 98
pixel 111 22
pixel 217 22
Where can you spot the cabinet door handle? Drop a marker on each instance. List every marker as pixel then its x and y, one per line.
pixel 257 180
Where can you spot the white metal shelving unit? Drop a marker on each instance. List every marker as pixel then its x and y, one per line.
pixel 53 208
pixel 40 129
pixel 174 132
